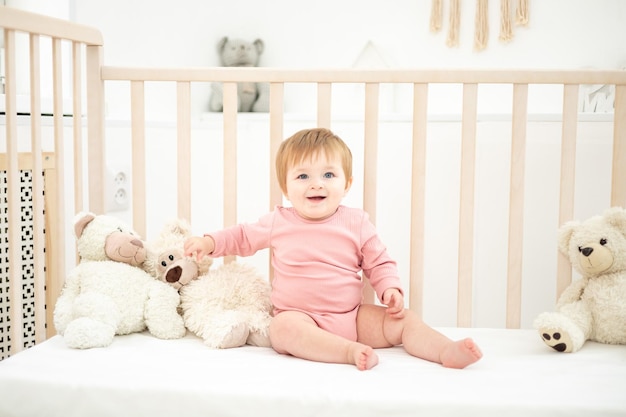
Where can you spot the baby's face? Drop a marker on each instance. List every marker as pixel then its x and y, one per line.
pixel 316 186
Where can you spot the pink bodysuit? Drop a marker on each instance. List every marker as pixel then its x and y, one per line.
pixel 316 263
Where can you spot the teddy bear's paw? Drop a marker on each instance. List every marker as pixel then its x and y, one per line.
pixel 559 332
pixel 86 333
pixel 557 340
pixel 259 338
pixel 172 328
pixel 227 337
pixel 62 316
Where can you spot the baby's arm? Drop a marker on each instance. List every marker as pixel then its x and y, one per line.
pixel 393 299
pixel 200 245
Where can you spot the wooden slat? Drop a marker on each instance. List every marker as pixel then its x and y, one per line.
pixel 184 149
pixel 138 152
pixel 516 207
pixel 59 153
pixel 618 182
pixel 55 248
pixel 370 149
pixel 230 157
pixel 277 93
pixel 277 109
pixel 95 129
pixel 568 177
pixel 37 192
pixel 77 111
pixel 466 206
pixel 324 104
pixel 418 193
pixel 370 163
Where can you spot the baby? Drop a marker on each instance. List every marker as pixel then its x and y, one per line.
pixel 319 247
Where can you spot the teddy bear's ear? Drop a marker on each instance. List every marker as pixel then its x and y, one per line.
pixel 565 234
pixel 222 43
pixel 259 45
pixel 81 221
pixel 616 217
pixel 178 227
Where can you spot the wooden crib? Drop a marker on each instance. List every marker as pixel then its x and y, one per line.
pixel 139 375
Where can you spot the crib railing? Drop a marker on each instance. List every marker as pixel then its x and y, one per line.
pixel 89 78
pixel 324 80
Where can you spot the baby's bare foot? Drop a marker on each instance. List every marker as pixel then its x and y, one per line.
pixel 460 354
pixel 362 356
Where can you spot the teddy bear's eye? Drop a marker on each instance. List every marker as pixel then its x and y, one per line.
pixel 171 257
pixel 163 263
pixel 603 241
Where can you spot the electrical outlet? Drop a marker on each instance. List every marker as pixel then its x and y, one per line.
pixel 117 188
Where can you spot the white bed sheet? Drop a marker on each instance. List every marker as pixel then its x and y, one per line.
pixel 139 375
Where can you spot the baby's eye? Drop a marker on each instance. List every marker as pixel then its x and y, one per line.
pixel 329 175
pixel 302 176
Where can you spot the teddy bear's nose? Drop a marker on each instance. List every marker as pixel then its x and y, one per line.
pixel 587 251
pixel 173 275
pixel 137 243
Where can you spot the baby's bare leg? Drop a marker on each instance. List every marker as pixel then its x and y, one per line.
pixel 297 334
pixel 375 328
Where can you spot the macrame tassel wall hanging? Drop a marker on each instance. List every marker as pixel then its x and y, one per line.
pixel 455 22
pixel 521 14
pixel 481 30
pixel 506 32
pixel 436 13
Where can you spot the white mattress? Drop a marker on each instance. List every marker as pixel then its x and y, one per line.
pixel 139 375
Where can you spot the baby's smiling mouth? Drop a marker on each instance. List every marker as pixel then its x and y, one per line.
pixel 316 198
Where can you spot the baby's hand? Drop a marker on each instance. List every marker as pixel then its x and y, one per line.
pixel 200 246
pixel 393 299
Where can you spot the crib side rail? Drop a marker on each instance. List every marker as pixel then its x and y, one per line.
pixel 324 80
pixel 26 35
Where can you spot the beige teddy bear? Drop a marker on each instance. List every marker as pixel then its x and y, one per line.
pixel 165 260
pixel 594 306
pixel 228 306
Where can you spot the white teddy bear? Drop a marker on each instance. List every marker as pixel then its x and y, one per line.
pixel 594 306
pixel 107 293
pixel 227 307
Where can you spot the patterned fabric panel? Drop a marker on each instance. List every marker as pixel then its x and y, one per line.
pixel 27 276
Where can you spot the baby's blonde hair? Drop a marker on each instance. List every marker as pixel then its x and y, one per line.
pixel 308 143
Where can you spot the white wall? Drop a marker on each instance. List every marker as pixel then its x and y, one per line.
pixel 561 33
pixel 330 33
